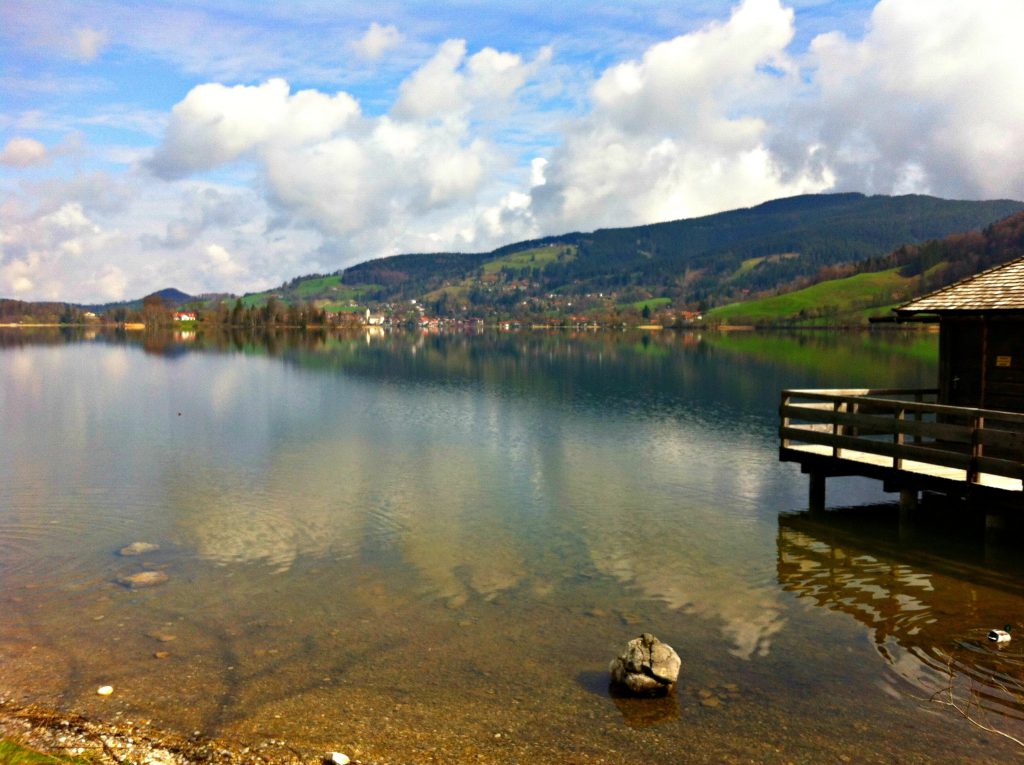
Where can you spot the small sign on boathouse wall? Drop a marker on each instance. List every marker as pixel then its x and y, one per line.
pixel 1004 361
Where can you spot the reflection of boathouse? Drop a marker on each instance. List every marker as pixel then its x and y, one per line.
pixel 965 437
pixel 926 603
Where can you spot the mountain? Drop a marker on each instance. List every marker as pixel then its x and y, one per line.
pixel 171 297
pixel 702 260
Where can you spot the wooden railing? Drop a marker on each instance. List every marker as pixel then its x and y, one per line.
pixel 903 426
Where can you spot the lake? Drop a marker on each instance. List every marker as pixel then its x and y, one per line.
pixel 417 548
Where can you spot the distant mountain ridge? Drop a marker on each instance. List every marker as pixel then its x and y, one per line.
pixel 171 297
pixel 694 263
pixel 705 260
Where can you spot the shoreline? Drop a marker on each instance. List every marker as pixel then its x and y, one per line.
pixel 71 736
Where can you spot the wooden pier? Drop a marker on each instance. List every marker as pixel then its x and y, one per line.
pixel 905 439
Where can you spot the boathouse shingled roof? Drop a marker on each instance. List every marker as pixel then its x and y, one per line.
pixel 996 289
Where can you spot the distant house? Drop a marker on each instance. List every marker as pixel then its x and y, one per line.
pixel 981 338
pixel 185 316
pixel 374 319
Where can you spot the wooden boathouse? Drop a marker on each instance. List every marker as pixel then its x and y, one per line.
pixel 963 438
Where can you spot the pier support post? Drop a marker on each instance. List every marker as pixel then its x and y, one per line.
pixel 995 523
pixel 816 495
pixel 909 502
pixel 996 549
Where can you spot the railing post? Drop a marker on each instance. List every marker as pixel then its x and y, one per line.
pixel 837 429
pixel 918 415
pixel 977 447
pixel 897 459
pixel 785 420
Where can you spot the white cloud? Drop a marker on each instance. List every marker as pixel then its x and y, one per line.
pixel 929 100
pixel 221 263
pixel 450 85
pixel 678 133
pixel 202 208
pixel 377 40
pixel 23 152
pixel 54 255
pixel 377 181
pixel 216 124
pixel 89 43
pixel 436 88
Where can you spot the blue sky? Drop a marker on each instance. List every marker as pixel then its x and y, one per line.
pixel 230 146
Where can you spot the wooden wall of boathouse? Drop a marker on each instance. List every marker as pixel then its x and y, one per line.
pixel 981 362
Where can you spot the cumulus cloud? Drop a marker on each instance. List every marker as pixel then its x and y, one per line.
pixel 216 124
pixel 377 181
pixel 42 255
pixel 202 208
pixel 449 85
pixel 377 40
pixel 928 100
pixel 221 263
pixel 678 133
pixel 23 152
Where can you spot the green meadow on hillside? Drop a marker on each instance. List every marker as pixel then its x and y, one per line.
pixel 535 257
pixel 849 300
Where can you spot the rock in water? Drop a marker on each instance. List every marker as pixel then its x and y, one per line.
pixel 647 667
pixel 138 548
pixel 142 579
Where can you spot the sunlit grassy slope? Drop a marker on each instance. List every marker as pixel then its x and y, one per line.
pixel 851 300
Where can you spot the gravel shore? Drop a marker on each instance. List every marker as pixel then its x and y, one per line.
pixel 135 742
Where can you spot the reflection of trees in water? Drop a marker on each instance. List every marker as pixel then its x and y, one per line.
pixel 928 604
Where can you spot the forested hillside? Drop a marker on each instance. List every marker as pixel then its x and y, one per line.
pixel 698 261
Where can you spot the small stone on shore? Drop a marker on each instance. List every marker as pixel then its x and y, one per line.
pixel 338 758
pixel 105 690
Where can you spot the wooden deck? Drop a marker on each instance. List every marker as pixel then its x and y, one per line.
pixel 905 439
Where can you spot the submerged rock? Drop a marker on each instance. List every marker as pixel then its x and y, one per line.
pixel 142 579
pixel 137 548
pixel 647 667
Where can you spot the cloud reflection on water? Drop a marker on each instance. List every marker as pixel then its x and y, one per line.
pixel 474 490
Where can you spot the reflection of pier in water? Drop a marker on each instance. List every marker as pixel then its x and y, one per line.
pixel 927 602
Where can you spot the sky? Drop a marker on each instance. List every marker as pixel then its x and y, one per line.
pixel 230 146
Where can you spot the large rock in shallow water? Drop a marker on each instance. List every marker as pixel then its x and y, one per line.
pixel 647 667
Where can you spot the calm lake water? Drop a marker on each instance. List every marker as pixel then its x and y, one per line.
pixel 421 548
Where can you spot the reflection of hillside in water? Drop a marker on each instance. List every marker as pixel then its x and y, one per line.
pixel 928 603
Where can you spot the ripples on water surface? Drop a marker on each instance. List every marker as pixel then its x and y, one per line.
pixel 406 545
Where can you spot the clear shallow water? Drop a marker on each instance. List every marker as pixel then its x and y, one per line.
pixel 406 545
